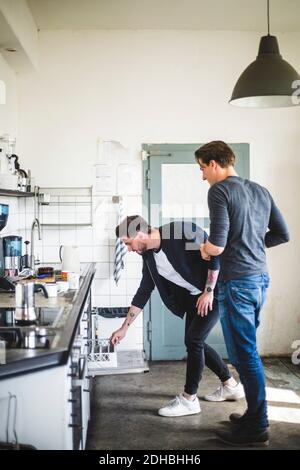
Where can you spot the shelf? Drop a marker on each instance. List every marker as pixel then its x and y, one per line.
pixel 65 206
pixel 71 224
pixel 13 193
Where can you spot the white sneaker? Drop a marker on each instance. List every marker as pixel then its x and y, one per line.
pixel 225 392
pixel 180 406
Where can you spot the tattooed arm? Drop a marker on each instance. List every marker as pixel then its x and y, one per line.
pixel 205 301
pixel 118 335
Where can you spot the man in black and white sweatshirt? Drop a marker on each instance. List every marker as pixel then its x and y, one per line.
pixel 186 283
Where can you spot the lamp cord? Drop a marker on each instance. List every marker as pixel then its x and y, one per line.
pixel 268 7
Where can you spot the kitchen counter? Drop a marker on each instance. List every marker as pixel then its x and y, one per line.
pixel 59 338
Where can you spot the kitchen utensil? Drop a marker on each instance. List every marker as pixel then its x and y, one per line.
pixel 25 300
pixel 25 261
pixel 4 210
pixel 69 256
pixel 62 286
pixel 51 288
pixel 12 246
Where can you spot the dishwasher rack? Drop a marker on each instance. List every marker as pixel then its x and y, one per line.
pixel 101 354
pixel 102 357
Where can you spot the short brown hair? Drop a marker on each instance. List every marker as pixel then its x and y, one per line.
pixel 131 225
pixel 216 150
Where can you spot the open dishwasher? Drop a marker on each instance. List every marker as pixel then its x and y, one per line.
pixel 104 358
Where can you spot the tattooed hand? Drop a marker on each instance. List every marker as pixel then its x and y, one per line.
pixel 117 336
pixel 205 303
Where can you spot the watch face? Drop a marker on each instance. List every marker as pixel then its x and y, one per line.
pixel 208 289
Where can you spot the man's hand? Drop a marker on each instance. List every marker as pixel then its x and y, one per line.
pixel 205 303
pixel 204 255
pixel 117 336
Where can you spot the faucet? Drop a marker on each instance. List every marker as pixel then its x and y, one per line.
pixel 35 223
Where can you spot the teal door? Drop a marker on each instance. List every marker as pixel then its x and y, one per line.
pixel 174 190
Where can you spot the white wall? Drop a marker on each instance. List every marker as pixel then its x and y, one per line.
pixel 8 111
pixel 163 86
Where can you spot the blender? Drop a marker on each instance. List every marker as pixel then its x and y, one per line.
pixel 12 247
pixel 4 209
pixel 5 283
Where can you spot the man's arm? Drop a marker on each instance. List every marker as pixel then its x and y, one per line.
pixel 205 301
pixel 278 232
pixel 138 302
pixel 118 335
pixel 219 223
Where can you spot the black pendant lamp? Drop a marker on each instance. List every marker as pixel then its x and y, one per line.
pixel 269 81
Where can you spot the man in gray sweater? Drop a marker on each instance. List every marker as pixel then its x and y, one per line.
pixel 243 221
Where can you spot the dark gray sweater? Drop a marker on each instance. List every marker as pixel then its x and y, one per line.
pixel 244 219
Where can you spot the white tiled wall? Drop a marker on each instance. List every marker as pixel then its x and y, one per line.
pixel 96 244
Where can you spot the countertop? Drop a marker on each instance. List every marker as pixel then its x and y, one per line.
pixel 20 361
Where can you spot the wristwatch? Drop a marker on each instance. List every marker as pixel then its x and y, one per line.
pixel 208 289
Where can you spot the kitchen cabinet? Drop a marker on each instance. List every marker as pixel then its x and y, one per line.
pixel 43 408
pixel 52 404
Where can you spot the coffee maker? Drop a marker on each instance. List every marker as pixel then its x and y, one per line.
pixel 4 209
pixel 12 248
pixel 5 282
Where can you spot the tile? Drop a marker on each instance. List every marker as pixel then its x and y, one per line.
pixel 83 209
pixel 111 220
pixel 51 254
pixel 101 301
pixel 83 218
pixel 112 241
pixel 131 257
pixel 22 221
pixel 102 271
pixel 138 322
pixel 50 209
pixel 118 301
pixel 132 286
pixel 119 289
pixel 101 254
pixel 100 237
pixel 86 254
pixel 133 270
pixel 50 237
pixel 67 236
pixel 50 218
pixel 102 287
pixel 29 202
pixel 67 218
pixel 111 251
pixel 84 236
pixel 133 205
pixel 129 299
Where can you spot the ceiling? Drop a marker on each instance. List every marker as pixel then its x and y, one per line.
pixel 232 15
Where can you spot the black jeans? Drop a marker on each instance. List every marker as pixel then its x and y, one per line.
pixel 199 353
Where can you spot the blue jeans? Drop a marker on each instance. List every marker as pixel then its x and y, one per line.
pixel 240 303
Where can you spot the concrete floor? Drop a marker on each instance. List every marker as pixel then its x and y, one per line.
pixel 124 410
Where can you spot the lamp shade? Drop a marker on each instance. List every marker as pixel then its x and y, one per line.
pixel 268 81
